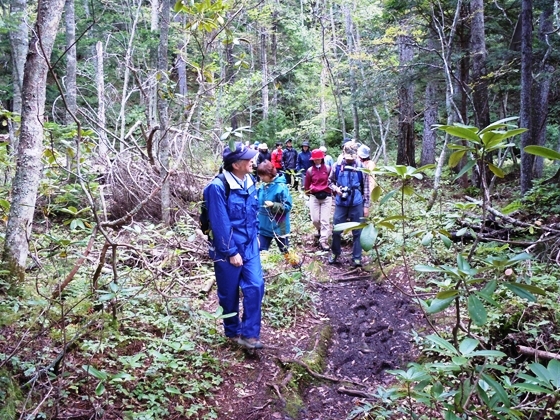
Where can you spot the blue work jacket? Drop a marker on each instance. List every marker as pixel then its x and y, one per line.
pixel 234 225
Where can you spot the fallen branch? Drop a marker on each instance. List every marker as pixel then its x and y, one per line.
pixel 541 354
pixel 348 279
pixel 315 374
pixel 354 392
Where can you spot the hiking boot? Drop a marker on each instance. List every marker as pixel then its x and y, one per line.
pixel 234 340
pixel 324 245
pixel 250 343
pixel 333 259
pixel 356 262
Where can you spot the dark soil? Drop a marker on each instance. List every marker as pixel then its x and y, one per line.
pixel 371 322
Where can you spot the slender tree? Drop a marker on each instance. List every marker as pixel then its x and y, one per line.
pixel 30 147
pixel 525 120
pixel 406 136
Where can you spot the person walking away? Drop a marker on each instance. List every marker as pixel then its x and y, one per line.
pixel 320 197
pixel 275 205
pixel 365 159
pixel 276 157
pixel 352 196
pixel 263 155
pixel 328 158
pixel 233 245
pixel 289 163
pixel 303 161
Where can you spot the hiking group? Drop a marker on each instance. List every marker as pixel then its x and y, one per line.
pixel 242 218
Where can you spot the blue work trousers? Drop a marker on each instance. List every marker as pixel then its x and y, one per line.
pixel 248 278
pixel 348 214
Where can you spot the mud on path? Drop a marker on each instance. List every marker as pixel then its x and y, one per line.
pixel 364 327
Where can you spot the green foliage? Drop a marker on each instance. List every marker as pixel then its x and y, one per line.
pixel 542 199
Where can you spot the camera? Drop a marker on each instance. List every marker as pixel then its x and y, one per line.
pixel 345 191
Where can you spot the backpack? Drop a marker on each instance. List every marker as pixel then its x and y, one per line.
pixel 360 177
pixel 203 219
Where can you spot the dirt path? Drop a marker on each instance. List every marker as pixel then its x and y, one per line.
pixel 369 325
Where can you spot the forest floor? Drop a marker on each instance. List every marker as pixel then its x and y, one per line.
pixel 363 327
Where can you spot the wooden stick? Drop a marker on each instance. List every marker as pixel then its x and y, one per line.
pixel 528 351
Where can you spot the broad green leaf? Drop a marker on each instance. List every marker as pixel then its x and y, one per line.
pixel 407 190
pixel 387 197
pixel 422 268
pixel 541 151
pixel 488 353
pixel 462 395
pixel 455 158
pixel 554 369
pixel 100 389
pixel 427 239
pixel 498 388
pixel 468 166
pixel 459 360
pixel 438 305
pixel 347 225
pixel 376 193
pixel 498 124
pixel 488 299
pixel 477 311
pixel 98 374
pixel 468 345
pixel 173 390
pixel 533 388
pixel 520 257
pixel 542 373
pixel 462 132
pixel 5 204
pixel 446 241
pixel 443 344
pixel 495 170
pixel 368 237
pixel 490 287
pixel 520 291
pixel 447 294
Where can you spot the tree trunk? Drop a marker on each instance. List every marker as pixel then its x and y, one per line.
pixel 405 151
pixel 70 79
pixel 348 25
pixel 428 154
pixel 19 44
pixel 103 147
pixel 542 85
pixel 30 147
pixel 180 62
pixel 478 58
pixel 163 111
pixel 264 71
pixel 525 120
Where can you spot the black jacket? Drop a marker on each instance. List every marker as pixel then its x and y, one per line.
pixel 289 158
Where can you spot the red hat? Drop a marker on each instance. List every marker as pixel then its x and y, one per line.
pixel 317 154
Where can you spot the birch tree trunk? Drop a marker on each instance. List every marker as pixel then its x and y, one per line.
pixel 70 79
pixel 103 147
pixel 19 45
pixel 163 111
pixel 30 147
pixel 525 120
pixel 264 71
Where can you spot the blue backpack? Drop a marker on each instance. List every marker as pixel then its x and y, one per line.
pixel 203 218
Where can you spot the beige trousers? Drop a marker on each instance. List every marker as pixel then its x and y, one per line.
pixel 321 216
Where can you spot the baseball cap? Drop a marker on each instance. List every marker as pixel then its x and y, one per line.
pixel 241 152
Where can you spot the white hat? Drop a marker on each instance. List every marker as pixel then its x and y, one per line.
pixel 323 149
pixel 263 146
pixel 363 151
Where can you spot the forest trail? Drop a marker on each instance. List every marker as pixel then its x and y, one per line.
pixel 363 327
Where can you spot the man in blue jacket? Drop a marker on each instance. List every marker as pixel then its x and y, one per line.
pixel 234 246
pixel 304 161
pixel 289 164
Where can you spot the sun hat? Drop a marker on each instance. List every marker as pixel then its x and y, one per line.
pixel 241 152
pixel 305 143
pixel 323 149
pixel 288 140
pixel 363 151
pixel 317 154
pixel 263 146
